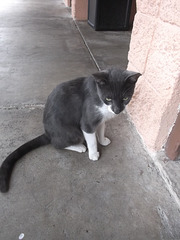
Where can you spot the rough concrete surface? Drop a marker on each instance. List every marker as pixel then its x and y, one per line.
pixel 109 48
pixel 61 194
pixel 172 168
pixel 38 50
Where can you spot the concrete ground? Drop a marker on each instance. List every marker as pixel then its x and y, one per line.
pixel 126 195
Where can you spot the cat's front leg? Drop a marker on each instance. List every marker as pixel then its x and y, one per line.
pixel 104 141
pixel 92 145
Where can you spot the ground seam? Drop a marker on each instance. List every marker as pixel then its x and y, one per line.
pixel 23 106
pixel 85 43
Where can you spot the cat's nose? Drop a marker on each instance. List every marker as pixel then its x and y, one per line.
pixel 117 110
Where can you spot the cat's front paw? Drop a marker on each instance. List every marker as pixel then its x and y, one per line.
pixel 94 156
pixel 81 148
pixel 105 141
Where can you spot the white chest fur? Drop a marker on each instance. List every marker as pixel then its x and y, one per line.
pixel 106 111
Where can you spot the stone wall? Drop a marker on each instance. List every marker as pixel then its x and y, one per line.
pixel 67 3
pixel 79 9
pixel 155 52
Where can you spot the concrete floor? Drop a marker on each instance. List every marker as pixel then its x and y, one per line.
pixel 61 194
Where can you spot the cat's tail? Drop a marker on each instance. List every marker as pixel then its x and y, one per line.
pixel 8 164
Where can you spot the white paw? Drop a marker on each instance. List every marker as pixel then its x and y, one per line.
pixel 94 156
pixel 106 141
pixel 77 148
pixel 81 148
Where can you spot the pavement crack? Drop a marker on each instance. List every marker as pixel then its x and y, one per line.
pixel 88 48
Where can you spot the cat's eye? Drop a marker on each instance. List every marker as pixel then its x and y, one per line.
pixel 108 99
pixel 125 99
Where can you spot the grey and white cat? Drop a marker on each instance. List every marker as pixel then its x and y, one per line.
pixel 76 111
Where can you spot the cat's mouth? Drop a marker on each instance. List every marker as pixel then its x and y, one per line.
pixel 115 110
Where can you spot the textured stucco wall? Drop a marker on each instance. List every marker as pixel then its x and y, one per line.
pixel 67 3
pixel 155 52
pixel 79 9
pixel 173 144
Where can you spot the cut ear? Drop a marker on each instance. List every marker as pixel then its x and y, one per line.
pixel 132 77
pixel 101 78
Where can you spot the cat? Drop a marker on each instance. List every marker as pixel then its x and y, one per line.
pixel 75 111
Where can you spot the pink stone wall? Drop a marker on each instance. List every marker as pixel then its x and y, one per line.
pixel 79 9
pixel 155 52
pixel 67 3
pixel 172 147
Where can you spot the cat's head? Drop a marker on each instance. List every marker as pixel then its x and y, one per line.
pixel 115 87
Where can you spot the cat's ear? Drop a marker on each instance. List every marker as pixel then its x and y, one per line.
pixel 132 77
pixel 101 78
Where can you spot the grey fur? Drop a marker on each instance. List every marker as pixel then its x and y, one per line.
pixel 72 106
